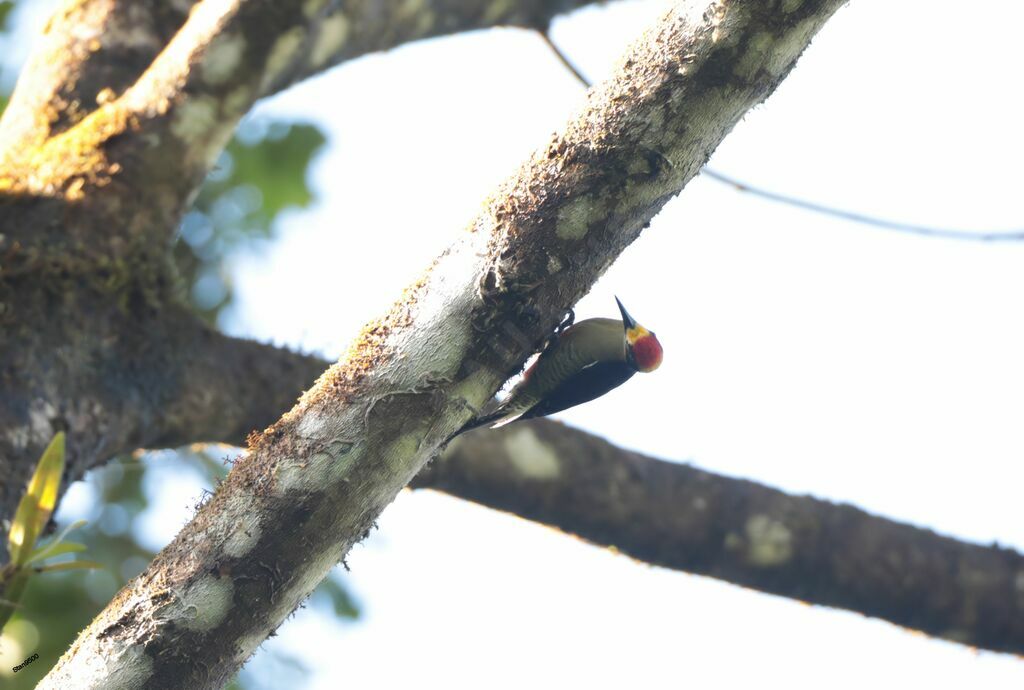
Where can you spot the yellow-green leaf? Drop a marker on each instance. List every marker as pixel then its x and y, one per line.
pixel 38 503
pixel 46 551
pixel 55 549
pixel 70 565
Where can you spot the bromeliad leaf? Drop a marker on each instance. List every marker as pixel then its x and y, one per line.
pixel 54 549
pixel 70 565
pixel 37 504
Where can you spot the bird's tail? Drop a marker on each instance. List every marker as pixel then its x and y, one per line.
pixel 480 421
pixel 500 416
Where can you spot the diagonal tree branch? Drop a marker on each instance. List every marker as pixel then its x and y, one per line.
pixel 683 518
pixel 313 483
pixel 342 31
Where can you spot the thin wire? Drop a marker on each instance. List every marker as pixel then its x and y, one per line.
pixel 1014 235
pixel 853 216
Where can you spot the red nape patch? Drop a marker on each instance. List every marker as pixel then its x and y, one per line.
pixel 647 353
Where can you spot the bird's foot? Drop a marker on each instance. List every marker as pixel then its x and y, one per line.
pixel 567 320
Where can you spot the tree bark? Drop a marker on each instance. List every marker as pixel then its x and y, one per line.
pixel 312 484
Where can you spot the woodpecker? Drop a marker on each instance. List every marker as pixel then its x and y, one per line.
pixel 584 362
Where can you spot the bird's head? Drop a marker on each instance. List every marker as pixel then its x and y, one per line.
pixel 643 351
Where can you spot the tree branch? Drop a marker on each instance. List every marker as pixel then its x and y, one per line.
pixel 338 34
pixel 226 387
pixel 683 518
pixel 312 485
pixel 165 379
pixel 87 48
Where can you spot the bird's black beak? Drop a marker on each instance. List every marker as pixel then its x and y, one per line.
pixel 627 320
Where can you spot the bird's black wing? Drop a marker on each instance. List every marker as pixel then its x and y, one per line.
pixel 590 382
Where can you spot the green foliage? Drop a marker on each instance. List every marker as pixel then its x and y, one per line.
pixel 5 12
pixel 340 599
pixel 56 607
pixel 261 173
pixel 273 158
pixel 30 519
pixel 33 514
pixel 36 506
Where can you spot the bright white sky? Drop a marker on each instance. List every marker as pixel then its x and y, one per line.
pixel 809 354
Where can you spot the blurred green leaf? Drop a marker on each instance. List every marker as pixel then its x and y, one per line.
pixel 34 511
pixel 277 166
pixel 36 506
pixel 5 10
pixel 69 565
pixel 58 605
pixel 261 173
pixel 55 549
pixel 341 601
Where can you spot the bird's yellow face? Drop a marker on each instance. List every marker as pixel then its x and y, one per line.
pixel 645 349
